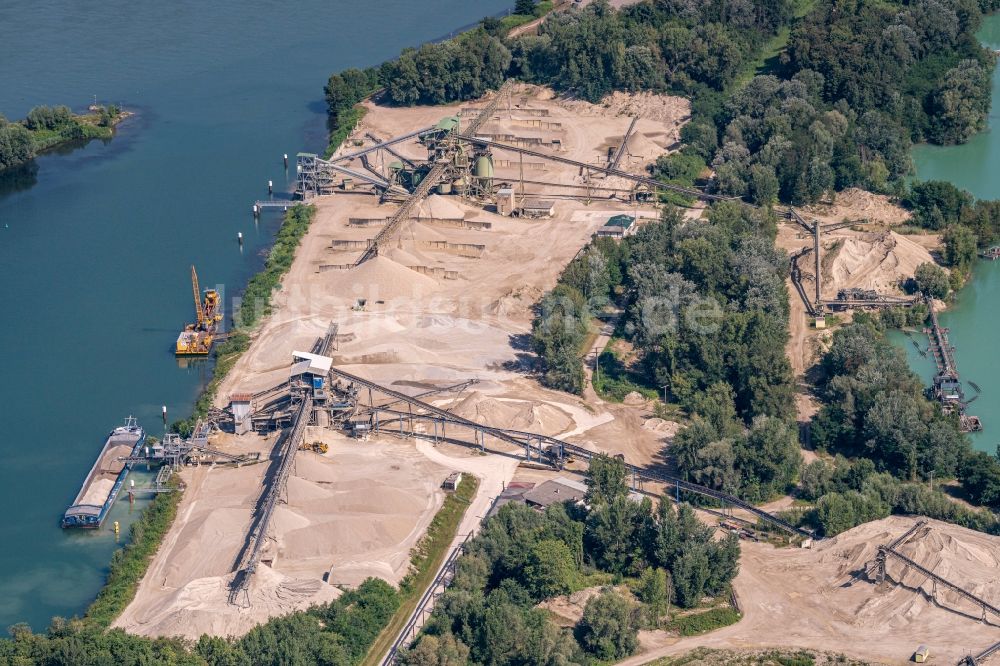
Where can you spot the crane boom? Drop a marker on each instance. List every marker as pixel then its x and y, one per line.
pixel 199 314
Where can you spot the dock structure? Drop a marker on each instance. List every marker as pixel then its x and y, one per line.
pixel 992 253
pixel 947 387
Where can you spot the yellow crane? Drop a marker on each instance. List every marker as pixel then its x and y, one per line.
pixel 198 312
pixel 196 339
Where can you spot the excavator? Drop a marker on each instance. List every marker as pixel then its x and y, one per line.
pixel 196 339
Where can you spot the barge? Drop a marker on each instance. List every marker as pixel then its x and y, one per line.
pixel 106 477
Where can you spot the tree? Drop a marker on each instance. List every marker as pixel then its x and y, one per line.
pixel 607 480
pixel 980 476
pixel 550 570
pixel 931 280
pixel 959 246
pixel 525 7
pixel 431 650
pixel 654 590
pixel 691 573
pixel 609 627
pixel 763 185
pixel 959 106
pixel 937 204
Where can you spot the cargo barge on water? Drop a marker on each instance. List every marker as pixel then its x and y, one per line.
pixel 106 478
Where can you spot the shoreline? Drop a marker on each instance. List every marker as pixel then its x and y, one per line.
pixel 418 308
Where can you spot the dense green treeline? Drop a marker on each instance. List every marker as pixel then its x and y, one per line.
pixel 966 224
pixel 334 634
pixel 45 127
pixel 648 560
pixel 859 82
pixel 707 312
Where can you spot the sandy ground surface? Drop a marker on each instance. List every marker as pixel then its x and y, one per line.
pixel 352 513
pixel 802 598
pixel 856 204
pixel 450 299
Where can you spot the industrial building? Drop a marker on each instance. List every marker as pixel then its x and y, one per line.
pixel 618 227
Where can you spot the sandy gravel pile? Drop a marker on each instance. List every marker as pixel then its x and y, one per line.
pixel 820 598
pixel 517 301
pixel 642 145
pixel 437 207
pixel 98 492
pixel 878 262
pixel 861 205
pixel 527 415
pixel 661 108
pixel 970 559
pixel 382 278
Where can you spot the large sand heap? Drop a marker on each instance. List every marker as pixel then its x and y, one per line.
pixel 641 145
pixel 806 598
pixel 437 207
pixel 877 262
pixel 381 278
pixel 353 513
pixel 861 205
pixel 527 415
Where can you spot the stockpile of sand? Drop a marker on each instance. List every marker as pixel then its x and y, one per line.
pixel 662 426
pixel 513 414
pixel 202 607
pixel 382 278
pixel 861 205
pixel 660 108
pixel 642 146
pixel 964 557
pixel 879 262
pixel 821 598
pixel 97 494
pixel 516 301
pixel 437 207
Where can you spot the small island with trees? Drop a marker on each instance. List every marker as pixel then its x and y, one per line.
pixel 47 127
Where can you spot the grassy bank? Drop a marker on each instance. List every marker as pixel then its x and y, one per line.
pixel 343 126
pixel 701 623
pixel 255 305
pixel 427 558
pixel 129 564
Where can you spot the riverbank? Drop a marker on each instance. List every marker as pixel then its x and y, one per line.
pixel 130 216
pixel 360 509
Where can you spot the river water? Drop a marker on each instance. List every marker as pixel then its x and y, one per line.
pixel 95 244
pixel 975 317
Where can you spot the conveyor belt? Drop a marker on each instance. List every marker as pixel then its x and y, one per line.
pixel 258 533
pixel 534 441
pixel 624 144
pixel 645 180
pixel 985 605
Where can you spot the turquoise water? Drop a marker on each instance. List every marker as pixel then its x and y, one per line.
pixel 975 317
pixel 96 243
